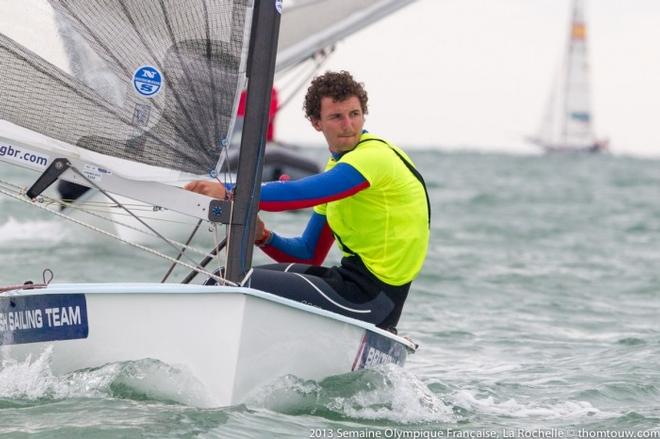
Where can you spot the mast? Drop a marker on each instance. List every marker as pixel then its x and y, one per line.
pixel 260 71
pixel 576 29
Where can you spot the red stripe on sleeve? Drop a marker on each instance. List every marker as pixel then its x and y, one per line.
pixel 326 239
pixel 278 206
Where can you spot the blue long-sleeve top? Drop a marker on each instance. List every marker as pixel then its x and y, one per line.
pixel 342 181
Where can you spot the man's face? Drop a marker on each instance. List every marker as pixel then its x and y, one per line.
pixel 341 123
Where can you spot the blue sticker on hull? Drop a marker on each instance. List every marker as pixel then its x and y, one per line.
pixel 376 349
pixel 38 318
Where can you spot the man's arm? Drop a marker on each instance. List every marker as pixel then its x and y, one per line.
pixel 310 248
pixel 342 181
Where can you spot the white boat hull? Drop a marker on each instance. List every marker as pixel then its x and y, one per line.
pixel 231 340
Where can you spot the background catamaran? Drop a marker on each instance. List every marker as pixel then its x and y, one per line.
pixel 567 124
pixel 176 71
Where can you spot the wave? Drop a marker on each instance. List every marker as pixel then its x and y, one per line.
pixel 148 379
pixel 387 393
pixel 565 410
pixel 40 233
pixel 15 231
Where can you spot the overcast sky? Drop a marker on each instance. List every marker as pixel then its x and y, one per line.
pixel 476 73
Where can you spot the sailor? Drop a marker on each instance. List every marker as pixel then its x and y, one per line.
pixel 370 199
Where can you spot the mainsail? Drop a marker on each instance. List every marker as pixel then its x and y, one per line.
pixel 567 123
pixel 164 87
pixel 309 26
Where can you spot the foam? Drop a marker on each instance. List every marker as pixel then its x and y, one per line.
pixel 404 399
pixel 33 379
pixel 387 393
pixel 38 231
pixel 27 379
pixel 568 410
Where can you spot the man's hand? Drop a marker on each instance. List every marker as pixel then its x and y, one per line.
pixel 210 188
pixel 259 230
pixel 261 233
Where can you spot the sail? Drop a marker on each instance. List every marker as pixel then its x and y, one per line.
pixel 312 25
pixel 567 121
pixel 162 88
pixel 578 127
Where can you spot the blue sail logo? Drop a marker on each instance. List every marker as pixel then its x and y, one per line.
pixel 147 81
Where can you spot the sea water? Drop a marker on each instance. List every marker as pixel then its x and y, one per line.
pixel 537 315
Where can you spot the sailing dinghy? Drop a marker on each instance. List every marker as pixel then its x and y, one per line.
pixel 567 124
pixel 178 69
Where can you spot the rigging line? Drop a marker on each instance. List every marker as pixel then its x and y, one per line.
pixel 145 217
pixel 118 238
pixel 5 288
pixel 219 246
pixel 225 168
pixel 183 249
pixel 93 208
pixel 128 226
pixel 10 185
pixel 166 240
pixel 204 262
pixel 292 76
pixel 247 277
pixel 102 204
pixel 228 234
pixel 103 208
pixel 19 190
pixel 324 57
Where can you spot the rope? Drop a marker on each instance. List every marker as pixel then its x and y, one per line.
pixel 19 190
pixel 117 237
pixel 154 231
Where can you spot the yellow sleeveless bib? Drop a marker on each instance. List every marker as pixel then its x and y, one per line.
pixel 387 223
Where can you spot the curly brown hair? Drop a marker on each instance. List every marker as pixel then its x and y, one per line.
pixel 336 85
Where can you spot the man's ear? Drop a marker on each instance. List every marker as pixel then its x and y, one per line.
pixel 316 123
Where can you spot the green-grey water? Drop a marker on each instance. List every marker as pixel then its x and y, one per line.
pixel 536 312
